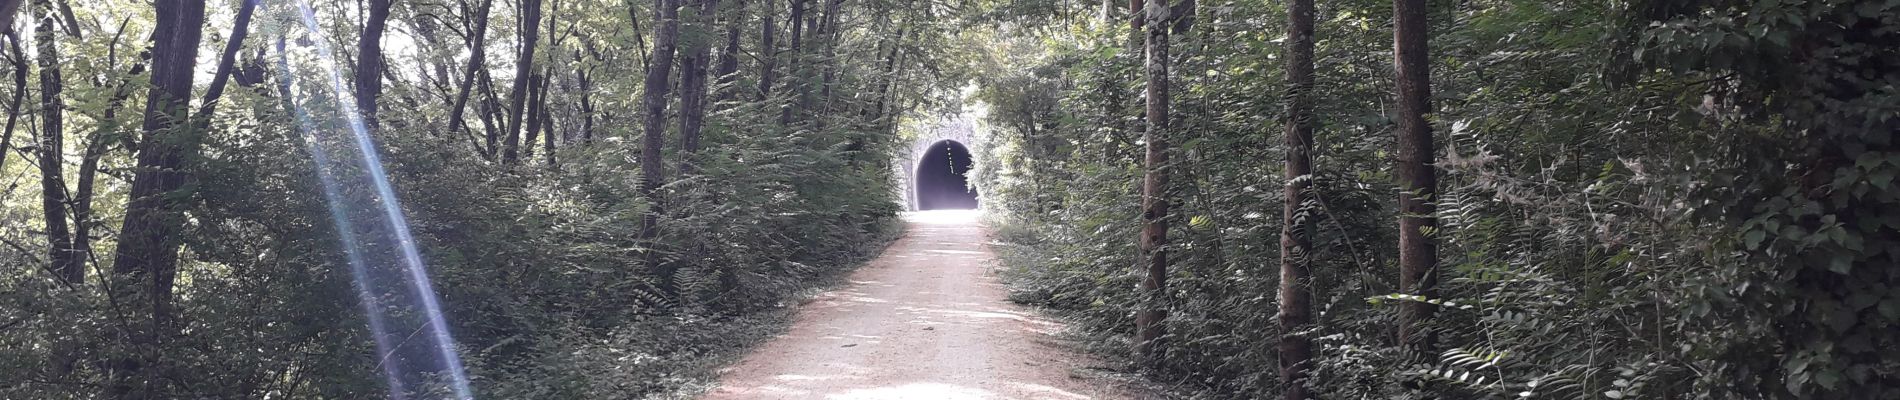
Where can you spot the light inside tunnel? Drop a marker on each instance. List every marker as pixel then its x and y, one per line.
pixel 941 179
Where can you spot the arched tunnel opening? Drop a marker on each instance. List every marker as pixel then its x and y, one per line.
pixel 941 179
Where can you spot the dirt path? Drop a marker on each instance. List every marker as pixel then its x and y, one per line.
pixel 925 320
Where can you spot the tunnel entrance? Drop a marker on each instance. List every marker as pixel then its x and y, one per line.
pixel 941 178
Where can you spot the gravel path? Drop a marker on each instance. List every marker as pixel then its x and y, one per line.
pixel 925 320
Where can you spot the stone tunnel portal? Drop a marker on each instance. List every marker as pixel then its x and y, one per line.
pixel 942 181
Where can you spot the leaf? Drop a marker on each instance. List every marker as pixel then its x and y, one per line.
pixel 1829 379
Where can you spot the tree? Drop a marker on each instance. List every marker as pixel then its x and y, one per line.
pixel 547 78
pixel 1154 187
pixel 227 63
pixel 66 261
pixel 826 33
pixel 653 102
pixel 17 59
pixel 477 59
pixel 98 143
pixel 530 27
pixel 693 83
pixel 795 49
pixel 728 61
pixel 768 33
pixel 1418 180
pixel 147 255
pixel 584 80
pixel 1296 243
pixel 369 63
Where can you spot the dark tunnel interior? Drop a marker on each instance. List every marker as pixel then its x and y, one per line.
pixel 941 180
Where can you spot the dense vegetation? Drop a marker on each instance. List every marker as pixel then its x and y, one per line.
pixel 1626 199
pixel 1246 199
pixel 610 196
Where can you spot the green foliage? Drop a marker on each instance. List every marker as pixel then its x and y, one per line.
pixel 1639 200
pixel 547 286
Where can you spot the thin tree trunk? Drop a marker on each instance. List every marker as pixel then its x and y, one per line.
pixel 532 128
pixel 1182 14
pixel 69 20
pixel 693 64
pixel 795 50
pixel 653 102
pixel 827 31
pixel 96 147
pixel 477 59
pixel 891 61
pixel 878 116
pixel 18 60
pixel 524 70
pixel 768 33
pixel 547 79
pixel 587 99
pixel 148 240
pixel 547 123
pixel 1296 242
pixel 802 79
pixel 1114 97
pixel 639 41
pixel 1154 187
pixel 227 62
pixel 53 200
pixel 1418 181
pixel 491 115
pixel 369 63
pixel 729 56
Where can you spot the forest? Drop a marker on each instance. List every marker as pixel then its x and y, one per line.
pixel 1221 199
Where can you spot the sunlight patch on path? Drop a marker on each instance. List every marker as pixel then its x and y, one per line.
pixel 927 319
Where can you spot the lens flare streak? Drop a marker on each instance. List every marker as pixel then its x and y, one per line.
pixel 392 211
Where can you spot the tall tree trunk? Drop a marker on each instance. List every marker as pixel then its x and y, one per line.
pixel 795 51
pixel 200 121
pixel 1154 202
pixel 227 62
pixel 1114 95
pixel 582 79
pixel 891 61
pixel 491 114
pixel 698 54
pixel 532 128
pixel 97 145
pixel 1296 240
pixel 1418 181
pixel 828 32
pixel 547 79
pixel 65 258
pixel 547 123
pixel 16 58
pixel 729 56
pixel 815 38
pixel 797 22
pixel 524 69
pixel 877 116
pixel 768 33
pixel 477 59
pixel 147 255
pixel 369 63
pixel 653 102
